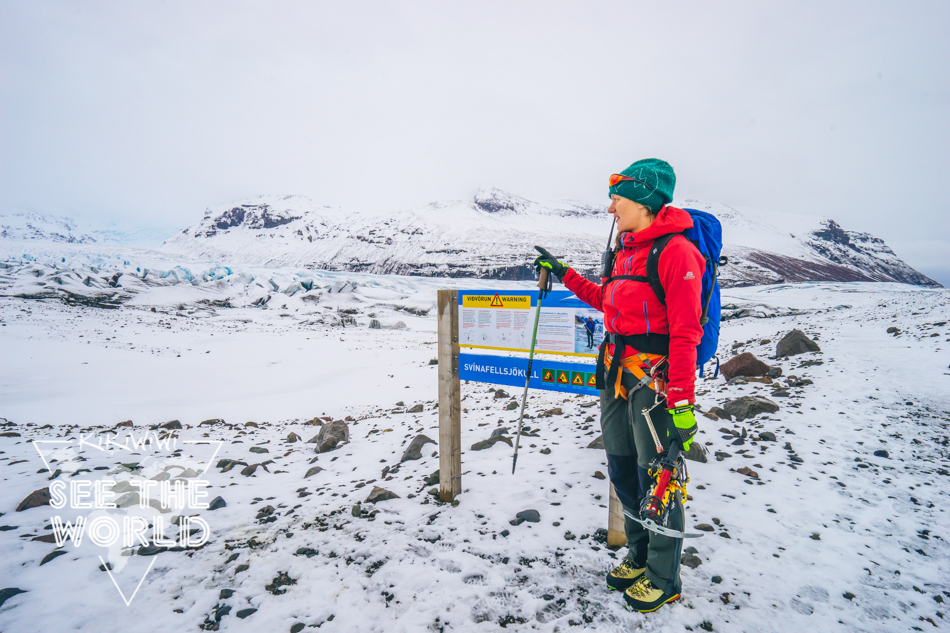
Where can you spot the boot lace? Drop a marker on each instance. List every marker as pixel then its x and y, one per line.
pixel 625 567
pixel 641 588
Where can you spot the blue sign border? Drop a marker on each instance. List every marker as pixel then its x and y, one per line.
pixel 505 370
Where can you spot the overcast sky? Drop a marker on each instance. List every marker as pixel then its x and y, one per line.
pixel 146 113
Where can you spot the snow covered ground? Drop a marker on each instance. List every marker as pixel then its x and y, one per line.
pixel 834 539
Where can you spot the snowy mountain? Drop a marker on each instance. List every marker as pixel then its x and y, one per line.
pixel 26 225
pixel 492 236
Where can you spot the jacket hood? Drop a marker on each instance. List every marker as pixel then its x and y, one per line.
pixel 668 220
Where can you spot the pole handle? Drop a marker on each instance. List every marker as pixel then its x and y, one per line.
pixel 543 278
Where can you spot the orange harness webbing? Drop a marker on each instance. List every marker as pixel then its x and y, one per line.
pixel 639 364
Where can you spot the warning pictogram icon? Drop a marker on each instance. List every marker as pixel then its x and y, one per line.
pixel 591 380
pixel 547 375
pixel 577 378
pixel 562 378
pixel 496 302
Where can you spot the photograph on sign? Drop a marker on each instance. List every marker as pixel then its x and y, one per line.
pixel 588 330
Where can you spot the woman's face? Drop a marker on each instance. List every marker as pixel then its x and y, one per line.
pixel 630 216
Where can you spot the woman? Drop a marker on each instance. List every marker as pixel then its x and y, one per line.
pixel 648 333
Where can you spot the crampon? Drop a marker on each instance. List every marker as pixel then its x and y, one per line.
pixel 668 469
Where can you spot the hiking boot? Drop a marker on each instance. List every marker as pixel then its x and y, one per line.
pixel 644 597
pixel 624 574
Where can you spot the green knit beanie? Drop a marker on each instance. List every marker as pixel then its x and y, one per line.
pixel 656 188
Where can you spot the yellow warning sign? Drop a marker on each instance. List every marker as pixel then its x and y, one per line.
pixel 577 378
pixel 562 378
pixel 498 300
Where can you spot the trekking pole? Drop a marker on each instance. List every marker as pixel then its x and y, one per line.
pixel 543 287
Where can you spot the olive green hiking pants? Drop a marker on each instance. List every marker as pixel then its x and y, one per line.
pixel 630 449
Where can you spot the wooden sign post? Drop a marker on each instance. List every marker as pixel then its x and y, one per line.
pixel 616 534
pixel 450 399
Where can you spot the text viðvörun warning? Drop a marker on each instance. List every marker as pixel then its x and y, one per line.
pixel 502 320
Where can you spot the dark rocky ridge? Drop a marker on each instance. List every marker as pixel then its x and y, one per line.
pixel 250 216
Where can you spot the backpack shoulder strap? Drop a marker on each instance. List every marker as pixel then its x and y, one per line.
pixel 653 265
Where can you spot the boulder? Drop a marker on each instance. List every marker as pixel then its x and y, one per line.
pixel 151 550
pixel 749 407
pixel 56 553
pixel 512 405
pixel 293 437
pixel 34 499
pixel 531 516
pixel 721 413
pixel 217 502
pixel 258 449
pixel 380 494
pixel 9 592
pixel 374 324
pixel 480 446
pixel 745 364
pixel 500 431
pixel 332 435
pixel 416 409
pixel 313 471
pixel 795 381
pixel 795 342
pixel 414 450
pixel 696 453
pixel 174 424
pixel 224 464
pixel 597 443
pixel 691 560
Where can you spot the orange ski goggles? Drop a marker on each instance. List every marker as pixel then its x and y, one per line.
pixel 616 179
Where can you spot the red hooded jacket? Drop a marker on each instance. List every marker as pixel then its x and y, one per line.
pixel 631 307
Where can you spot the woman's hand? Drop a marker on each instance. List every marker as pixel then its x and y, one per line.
pixel 548 260
pixel 685 423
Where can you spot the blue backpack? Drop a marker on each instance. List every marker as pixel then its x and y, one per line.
pixel 706 235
